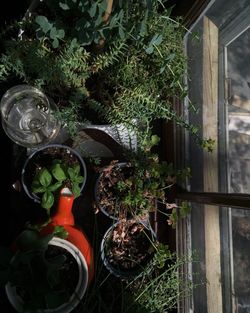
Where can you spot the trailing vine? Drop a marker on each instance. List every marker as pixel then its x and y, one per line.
pixel 133 76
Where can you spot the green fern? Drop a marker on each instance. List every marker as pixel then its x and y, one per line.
pixel 112 56
pixel 96 107
pixel 73 62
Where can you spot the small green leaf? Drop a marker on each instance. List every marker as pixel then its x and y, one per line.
pixel 58 172
pixel 77 169
pixel 155 140
pixel 64 6
pixel 73 43
pixel 150 49
pixel 76 190
pixel 35 183
pixel 113 21
pixel 143 28
pixel 53 33
pixel 43 22
pixel 45 177
pixel 92 10
pixel 54 187
pixel 156 40
pixel 185 209
pixel 171 56
pixel 55 43
pixel 60 33
pixel 47 200
pixel 40 189
pixel 121 32
pixel 71 173
pixel 79 179
pixel 60 231
pixel 162 69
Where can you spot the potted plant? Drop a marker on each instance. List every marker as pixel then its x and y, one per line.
pixel 126 247
pixel 43 273
pixel 50 169
pixel 134 188
pixel 123 191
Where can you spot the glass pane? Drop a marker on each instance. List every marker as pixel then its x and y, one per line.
pixel 220 238
pixel 240 236
pixel 237 55
pixel 223 11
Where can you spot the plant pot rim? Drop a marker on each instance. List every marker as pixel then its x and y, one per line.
pixel 34 153
pixel 80 289
pixel 112 269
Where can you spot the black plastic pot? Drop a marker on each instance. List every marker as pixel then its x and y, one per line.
pixel 121 272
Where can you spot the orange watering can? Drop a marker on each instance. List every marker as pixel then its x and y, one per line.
pixel 65 218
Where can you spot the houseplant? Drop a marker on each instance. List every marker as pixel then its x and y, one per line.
pixel 126 247
pixel 133 77
pixel 129 193
pixel 43 273
pixel 134 188
pixel 49 169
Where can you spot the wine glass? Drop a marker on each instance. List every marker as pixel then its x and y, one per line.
pixel 28 116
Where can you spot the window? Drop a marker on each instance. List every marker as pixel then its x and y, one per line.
pixel 219 225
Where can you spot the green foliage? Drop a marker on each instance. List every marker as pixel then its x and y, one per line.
pixel 49 182
pixel 161 285
pixel 47 28
pixel 132 78
pixel 86 18
pixel 158 288
pixel 62 75
pixel 60 231
pixel 140 185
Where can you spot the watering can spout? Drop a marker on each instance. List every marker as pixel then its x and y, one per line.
pixel 64 214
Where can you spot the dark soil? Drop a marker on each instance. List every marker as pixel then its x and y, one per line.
pixel 69 272
pixel 47 156
pixel 129 246
pixel 108 195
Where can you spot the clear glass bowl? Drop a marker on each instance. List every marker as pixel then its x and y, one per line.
pixel 28 116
